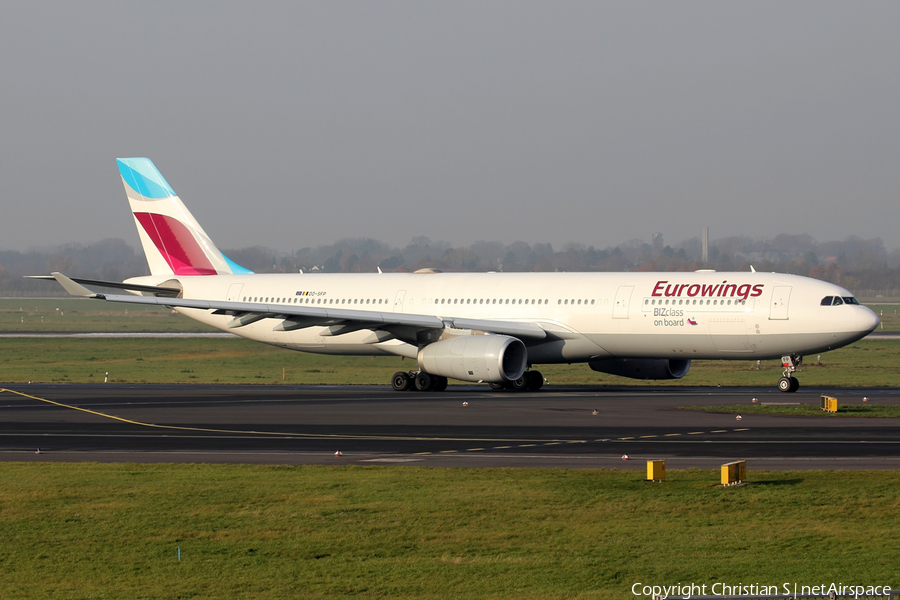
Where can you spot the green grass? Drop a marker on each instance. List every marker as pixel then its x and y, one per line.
pixel 844 410
pixel 235 360
pixel 112 531
pixel 80 314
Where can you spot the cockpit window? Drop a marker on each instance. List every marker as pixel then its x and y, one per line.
pixel 838 300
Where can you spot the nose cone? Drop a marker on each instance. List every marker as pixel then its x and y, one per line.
pixel 867 320
pixel 856 324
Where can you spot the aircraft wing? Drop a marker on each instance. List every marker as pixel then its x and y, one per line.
pixel 406 327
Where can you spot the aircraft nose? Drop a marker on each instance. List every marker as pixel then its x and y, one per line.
pixel 867 319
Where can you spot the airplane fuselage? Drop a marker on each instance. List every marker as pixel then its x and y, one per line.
pixel 588 316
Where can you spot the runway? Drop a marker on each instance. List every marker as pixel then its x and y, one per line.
pixel 552 428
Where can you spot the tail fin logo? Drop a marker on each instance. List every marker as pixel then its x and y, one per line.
pixel 173 241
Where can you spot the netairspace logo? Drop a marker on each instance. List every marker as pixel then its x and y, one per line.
pixel 686 591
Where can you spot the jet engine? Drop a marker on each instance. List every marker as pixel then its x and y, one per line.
pixel 643 368
pixel 490 358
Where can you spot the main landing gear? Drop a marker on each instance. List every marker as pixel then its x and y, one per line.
pixel 789 383
pixel 426 382
pixel 529 381
pixel 419 381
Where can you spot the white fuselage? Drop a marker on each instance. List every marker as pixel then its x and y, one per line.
pixel 588 316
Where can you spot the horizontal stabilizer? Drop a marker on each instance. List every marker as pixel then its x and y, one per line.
pixel 75 289
pixel 116 285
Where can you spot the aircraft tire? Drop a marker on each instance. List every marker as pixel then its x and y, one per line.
pixel 424 382
pixel 535 380
pixel 520 384
pixel 497 386
pixel 401 381
pixel 440 383
pixel 795 384
pixel 785 385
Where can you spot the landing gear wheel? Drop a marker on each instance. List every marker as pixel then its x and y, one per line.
pixel 786 385
pixel 401 381
pixel 440 383
pixel 535 380
pixel 496 386
pixel 791 363
pixel 424 382
pixel 520 384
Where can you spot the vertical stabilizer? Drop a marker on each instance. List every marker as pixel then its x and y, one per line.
pixel 173 241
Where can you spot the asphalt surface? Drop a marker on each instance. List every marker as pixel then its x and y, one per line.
pixel 555 427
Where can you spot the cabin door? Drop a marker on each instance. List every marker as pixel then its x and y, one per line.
pixel 623 299
pixel 781 295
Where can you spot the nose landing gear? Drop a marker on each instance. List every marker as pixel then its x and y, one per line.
pixel 791 363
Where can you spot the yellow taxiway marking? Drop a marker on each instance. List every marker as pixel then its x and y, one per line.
pixel 314 436
pixel 340 436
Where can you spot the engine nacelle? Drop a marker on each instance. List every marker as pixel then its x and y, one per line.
pixel 491 358
pixel 643 368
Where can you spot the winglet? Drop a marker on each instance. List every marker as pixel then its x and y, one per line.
pixel 75 289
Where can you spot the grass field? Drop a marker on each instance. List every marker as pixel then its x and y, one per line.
pixel 79 314
pixel 112 531
pixel 234 360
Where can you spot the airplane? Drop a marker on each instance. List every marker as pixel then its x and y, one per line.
pixel 482 327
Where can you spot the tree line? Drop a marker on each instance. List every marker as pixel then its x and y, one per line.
pixel 864 266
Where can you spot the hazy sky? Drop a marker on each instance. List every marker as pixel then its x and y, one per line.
pixel 299 123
